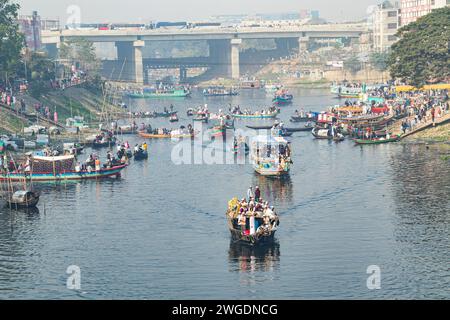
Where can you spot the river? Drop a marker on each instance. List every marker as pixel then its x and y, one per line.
pixel 160 232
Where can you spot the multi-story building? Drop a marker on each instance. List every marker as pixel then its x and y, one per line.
pixel 384 23
pixel 411 10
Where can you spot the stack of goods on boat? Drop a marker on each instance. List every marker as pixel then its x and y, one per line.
pixel 271 156
pixel 252 220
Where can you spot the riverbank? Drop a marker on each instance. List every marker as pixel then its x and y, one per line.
pixel 84 100
pixel 439 134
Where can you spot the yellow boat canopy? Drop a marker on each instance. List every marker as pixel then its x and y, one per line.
pixel 439 86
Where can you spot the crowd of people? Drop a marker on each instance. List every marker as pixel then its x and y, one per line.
pixel 266 218
pixel 237 110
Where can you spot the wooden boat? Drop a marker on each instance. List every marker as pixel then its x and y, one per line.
pixel 339 138
pixel 165 136
pixel 283 99
pixel 290 130
pixel 321 133
pixel 141 155
pixel 303 129
pixel 256 116
pixel 165 114
pixel 266 164
pixel 301 119
pixel 154 135
pixel 176 93
pixel 378 140
pixel 126 129
pixel 219 92
pixel 258 229
pixel 57 169
pixel 23 199
pixel 201 118
pixel 218 131
pixel 107 144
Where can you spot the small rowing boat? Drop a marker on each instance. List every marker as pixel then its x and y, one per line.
pixel 23 199
pixel 377 140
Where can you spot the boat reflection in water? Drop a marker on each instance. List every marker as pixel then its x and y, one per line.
pixel 245 258
pixel 274 189
pixel 33 211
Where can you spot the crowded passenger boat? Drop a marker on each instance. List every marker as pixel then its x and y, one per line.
pixel 272 112
pixel 252 220
pixel 271 156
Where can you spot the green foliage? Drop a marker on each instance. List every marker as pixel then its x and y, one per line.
pixel 38 88
pixel 40 67
pixel 422 54
pixel 11 40
pixel 353 64
pixel 82 51
pixel 379 60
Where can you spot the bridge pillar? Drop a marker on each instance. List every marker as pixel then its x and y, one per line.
pixel 224 57
pixel 303 44
pixel 183 74
pixel 234 57
pixel 129 55
pixel 138 61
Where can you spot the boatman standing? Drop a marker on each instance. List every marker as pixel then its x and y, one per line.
pixel 250 194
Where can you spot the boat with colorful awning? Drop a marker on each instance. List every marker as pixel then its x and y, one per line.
pixel 58 169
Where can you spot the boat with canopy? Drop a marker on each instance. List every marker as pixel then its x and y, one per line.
pixel 59 168
pixel 271 156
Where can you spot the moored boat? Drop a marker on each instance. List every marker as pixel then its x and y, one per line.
pixel 171 93
pixel 62 168
pixel 23 199
pixel 378 140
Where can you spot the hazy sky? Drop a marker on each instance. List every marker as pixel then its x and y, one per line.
pixel 161 10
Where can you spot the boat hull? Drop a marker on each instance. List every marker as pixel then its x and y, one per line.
pixel 255 239
pixel 262 116
pixel 66 176
pixel 377 141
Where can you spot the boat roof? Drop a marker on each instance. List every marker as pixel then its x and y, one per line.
pixel 54 159
pixel 269 139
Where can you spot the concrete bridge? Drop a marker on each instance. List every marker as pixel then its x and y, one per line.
pixel 224 44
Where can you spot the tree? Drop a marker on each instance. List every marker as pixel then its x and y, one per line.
pixel 81 51
pixel 379 60
pixel 422 54
pixel 40 71
pixel 353 64
pixel 11 40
